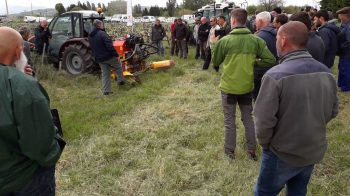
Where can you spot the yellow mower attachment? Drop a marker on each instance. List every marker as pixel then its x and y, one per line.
pixel 162 65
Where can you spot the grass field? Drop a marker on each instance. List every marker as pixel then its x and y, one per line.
pixel 165 137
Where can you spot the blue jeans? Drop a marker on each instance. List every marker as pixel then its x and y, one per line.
pixel 42 184
pixel 159 45
pixel 275 174
pixel 344 74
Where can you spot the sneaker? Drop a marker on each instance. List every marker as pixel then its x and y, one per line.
pixel 230 154
pixel 252 155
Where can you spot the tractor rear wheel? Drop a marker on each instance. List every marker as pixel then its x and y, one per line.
pixel 77 59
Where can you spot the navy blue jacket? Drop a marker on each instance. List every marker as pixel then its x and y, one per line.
pixel 41 37
pixel 315 47
pixel 268 34
pixel 328 33
pixel 102 45
pixel 344 40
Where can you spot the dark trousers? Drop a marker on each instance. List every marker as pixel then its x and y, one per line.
pixel 207 59
pixel 182 45
pixel 174 49
pixel 229 102
pixel 344 74
pixel 275 174
pixel 258 75
pixel 42 184
pixel 198 49
pixel 203 46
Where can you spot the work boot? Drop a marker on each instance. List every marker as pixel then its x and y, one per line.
pixel 121 83
pixel 107 93
pixel 230 153
pixel 252 155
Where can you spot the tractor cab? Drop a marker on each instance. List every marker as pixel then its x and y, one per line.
pixel 215 9
pixel 69 42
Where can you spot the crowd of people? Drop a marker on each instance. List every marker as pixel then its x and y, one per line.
pixel 281 63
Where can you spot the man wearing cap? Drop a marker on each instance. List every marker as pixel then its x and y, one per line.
pixel 344 50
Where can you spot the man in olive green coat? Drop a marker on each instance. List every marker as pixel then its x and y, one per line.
pixel 239 51
pixel 28 148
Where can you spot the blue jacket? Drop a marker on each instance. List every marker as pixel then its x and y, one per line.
pixel 328 33
pixel 268 34
pixel 315 47
pixel 101 45
pixel 344 40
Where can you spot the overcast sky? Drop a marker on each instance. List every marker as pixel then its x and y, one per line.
pixel 25 4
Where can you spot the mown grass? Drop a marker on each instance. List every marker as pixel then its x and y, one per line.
pixel 165 137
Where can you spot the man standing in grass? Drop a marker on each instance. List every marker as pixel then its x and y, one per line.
pixel 344 50
pixel 297 99
pixel 239 51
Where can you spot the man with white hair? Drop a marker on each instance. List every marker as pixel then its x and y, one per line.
pixel 42 36
pixel 268 33
pixel 29 149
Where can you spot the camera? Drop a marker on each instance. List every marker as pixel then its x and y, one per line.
pixel 220 32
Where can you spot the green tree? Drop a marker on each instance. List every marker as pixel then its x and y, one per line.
pixel 171 7
pixel 334 5
pixel 59 9
pixel 93 7
pixel 84 6
pixel 154 11
pixel 145 12
pixel 270 4
pixel 99 5
pixel 104 8
pixel 88 5
pixel 70 7
pixel 291 9
pixel 195 4
pixel 137 10
pixel 251 9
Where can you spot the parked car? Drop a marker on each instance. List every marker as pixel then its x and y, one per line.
pixel 117 18
pixel 148 19
pixel 170 19
pixel 162 19
pixel 137 20
pixel 107 19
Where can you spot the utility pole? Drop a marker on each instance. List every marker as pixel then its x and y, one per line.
pixel 7 8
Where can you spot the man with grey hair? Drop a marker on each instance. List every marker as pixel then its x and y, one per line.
pixel 25 33
pixel 268 33
pixel 105 55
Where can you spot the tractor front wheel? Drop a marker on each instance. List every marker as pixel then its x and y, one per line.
pixel 77 59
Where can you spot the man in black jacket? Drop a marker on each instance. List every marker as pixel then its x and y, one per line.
pixel 315 45
pixel 180 34
pixel 203 33
pixel 328 32
pixel 42 36
pixel 268 33
pixel 105 55
pixel 224 25
pixel 157 35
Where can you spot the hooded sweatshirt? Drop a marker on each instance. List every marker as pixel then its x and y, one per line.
pixel 328 33
pixel 268 34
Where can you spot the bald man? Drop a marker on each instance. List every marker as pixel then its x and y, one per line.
pixel 203 33
pixel 42 36
pixel 297 99
pixel 28 148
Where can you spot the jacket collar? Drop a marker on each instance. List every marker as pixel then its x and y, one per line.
pixel 297 54
pixel 240 30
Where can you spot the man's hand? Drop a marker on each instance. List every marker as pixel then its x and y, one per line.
pixel 214 39
pixel 28 70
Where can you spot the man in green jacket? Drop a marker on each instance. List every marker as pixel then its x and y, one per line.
pixel 28 148
pixel 239 51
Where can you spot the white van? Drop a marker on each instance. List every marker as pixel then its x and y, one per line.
pixel 188 17
pixel 29 19
pixel 117 18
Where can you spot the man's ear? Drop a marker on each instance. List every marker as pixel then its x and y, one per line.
pixel 18 52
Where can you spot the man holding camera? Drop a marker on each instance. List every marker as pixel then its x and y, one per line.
pixel 239 51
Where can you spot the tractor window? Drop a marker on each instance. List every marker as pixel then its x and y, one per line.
pixel 76 26
pixel 63 27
